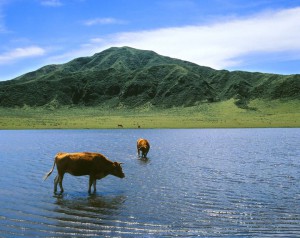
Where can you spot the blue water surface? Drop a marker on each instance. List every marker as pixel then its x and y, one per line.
pixel 195 182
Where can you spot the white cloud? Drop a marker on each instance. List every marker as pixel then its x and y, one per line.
pixel 219 45
pixel 103 21
pixel 51 3
pixel 21 53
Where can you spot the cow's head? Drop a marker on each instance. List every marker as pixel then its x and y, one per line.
pixel 117 170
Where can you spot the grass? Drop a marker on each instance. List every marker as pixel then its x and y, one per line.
pixel 214 115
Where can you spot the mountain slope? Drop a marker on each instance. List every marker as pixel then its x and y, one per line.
pixel 131 77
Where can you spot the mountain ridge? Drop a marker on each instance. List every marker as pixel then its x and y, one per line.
pixel 130 77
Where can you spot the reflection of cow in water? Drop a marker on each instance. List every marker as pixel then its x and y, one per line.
pixel 96 165
pixel 143 146
pixel 120 125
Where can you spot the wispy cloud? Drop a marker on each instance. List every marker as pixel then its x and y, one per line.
pixel 103 21
pixel 21 53
pixel 51 3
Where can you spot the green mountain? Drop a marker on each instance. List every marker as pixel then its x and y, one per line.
pixel 131 77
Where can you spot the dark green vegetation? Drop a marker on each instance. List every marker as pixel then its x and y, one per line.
pixel 126 79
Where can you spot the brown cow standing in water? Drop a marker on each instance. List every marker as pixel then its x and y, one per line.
pixel 143 146
pixel 96 165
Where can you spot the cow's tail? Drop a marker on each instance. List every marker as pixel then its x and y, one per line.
pixel 50 172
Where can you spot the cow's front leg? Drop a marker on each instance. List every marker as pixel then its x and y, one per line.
pixel 92 181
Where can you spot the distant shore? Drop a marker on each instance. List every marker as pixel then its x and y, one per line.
pixel 226 114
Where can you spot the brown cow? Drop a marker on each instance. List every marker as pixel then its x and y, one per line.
pixel 96 165
pixel 143 146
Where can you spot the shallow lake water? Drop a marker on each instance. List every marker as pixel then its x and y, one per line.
pixel 210 182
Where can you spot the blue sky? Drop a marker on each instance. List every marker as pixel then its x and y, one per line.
pixel 258 35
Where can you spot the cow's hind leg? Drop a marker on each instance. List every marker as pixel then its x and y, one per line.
pixel 60 179
pixel 55 183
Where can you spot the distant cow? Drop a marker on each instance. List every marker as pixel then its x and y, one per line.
pixel 143 146
pixel 96 165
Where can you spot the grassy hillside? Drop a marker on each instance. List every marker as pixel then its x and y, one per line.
pixel 130 77
pixel 223 114
pixel 136 87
